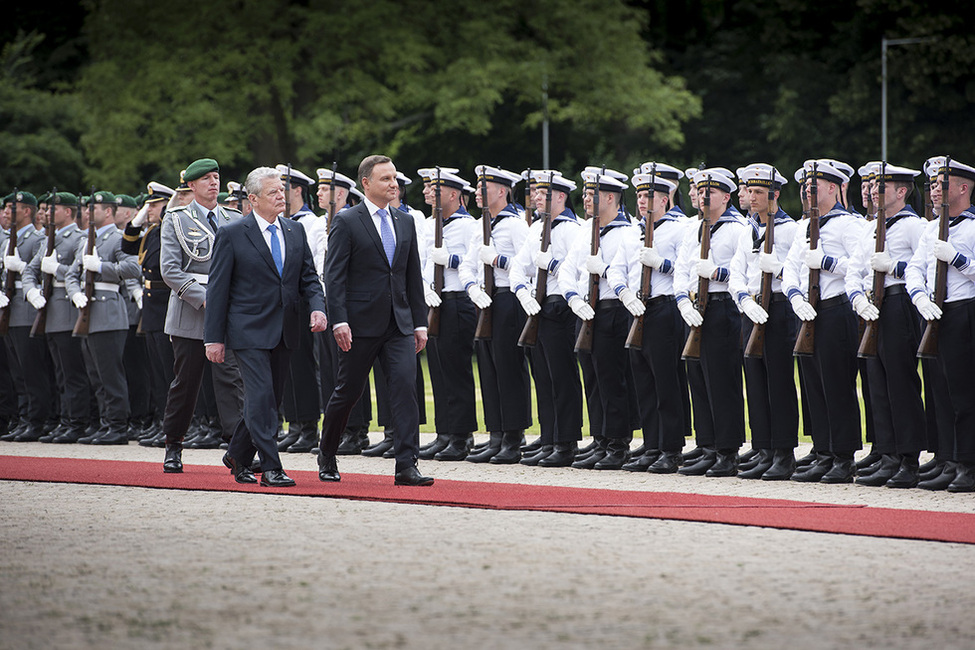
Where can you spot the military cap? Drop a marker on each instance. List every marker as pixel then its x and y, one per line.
pixel 66 198
pixel 662 170
pixel 643 183
pixel 125 201
pixel 222 198
pixel 200 168
pixel 497 175
pixel 825 170
pixel 354 192
pixel 297 177
pixel 842 166
pixel 868 171
pixel 761 175
pixel 958 169
pixel 427 173
pixel 325 176
pixel 717 177
pixel 932 165
pixel 44 198
pixel 103 197
pixel 607 182
pixel 402 178
pixel 895 174
pixel 603 171
pixel 158 192
pixel 22 196
pixel 182 187
pixel 449 179
pixel 543 178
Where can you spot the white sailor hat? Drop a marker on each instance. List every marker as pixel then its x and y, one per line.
pixel 847 170
pixel 354 192
pixel 402 178
pixel 643 182
pixel 958 169
pixel 762 175
pixel 869 170
pixel 602 171
pixel 448 179
pixel 325 176
pixel 717 177
pixel 662 170
pixel 426 173
pixel 297 177
pixel 182 187
pixel 158 192
pixel 932 165
pixel 497 175
pixel 825 170
pixel 559 183
pixel 893 173
pixel 607 182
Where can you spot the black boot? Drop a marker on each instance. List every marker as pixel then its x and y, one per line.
pixel 534 445
pixel 908 474
pixel 933 473
pixel 889 464
pixel 964 478
pixel 812 473
pixel 668 463
pixel 307 438
pixel 291 437
pixel 438 445
pixel 943 480
pixel 563 455
pixel 757 469
pixel 704 462
pixel 760 456
pixel 746 458
pixel 457 449
pixel 869 459
pixel 808 460
pixel 617 453
pixel 510 452
pixel 174 459
pixel 349 444
pixel 642 462
pixel 842 470
pixel 693 455
pixel 783 465
pixel 725 464
pixel 381 447
pixel 486 454
pixel 589 460
pixel 532 459
pixel 930 465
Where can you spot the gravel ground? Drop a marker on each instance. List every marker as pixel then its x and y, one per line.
pixel 98 566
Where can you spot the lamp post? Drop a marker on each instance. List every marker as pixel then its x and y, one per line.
pixel 884 44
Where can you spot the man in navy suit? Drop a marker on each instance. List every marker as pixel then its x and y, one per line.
pixel 375 293
pixel 262 269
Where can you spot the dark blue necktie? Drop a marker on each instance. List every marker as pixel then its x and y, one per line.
pixel 386 234
pixel 276 248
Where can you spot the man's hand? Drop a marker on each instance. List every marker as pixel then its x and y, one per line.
pixel 439 255
pixel 478 297
pixel 543 259
pixel 318 321
pixel 92 262
pixel 928 309
pixel 215 352
pixel 633 304
pixel 814 259
pixel 651 258
pixel 706 269
pixel 690 315
pixel 595 265
pixel 803 309
pixel 581 308
pixel 137 297
pixel 4 300
pixel 432 298
pixel 864 308
pixel 50 264
pixel 80 300
pixel 140 217
pixel 769 263
pixel 420 338
pixel 882 262
pixel 35 298
pixel 14 263
pixel 528 302
pixel 343 337
pixel 753 310
pixel 487 254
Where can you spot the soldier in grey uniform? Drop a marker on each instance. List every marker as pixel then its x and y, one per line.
pixel 62 315
pixel 108 319
pixel 186 244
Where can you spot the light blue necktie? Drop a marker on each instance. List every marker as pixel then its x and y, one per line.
pixel 276 248
pixel 386 233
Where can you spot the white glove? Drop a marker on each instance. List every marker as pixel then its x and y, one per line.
pixel 35 298
pixel 478 297
pixel 706 268
pixel 866 309
pixel 814 258
pixel 753 310
pixel 633 304
pixel 487 254
pixel 140 216
pixel 581 308
pixel 137 297
pixel 439 255
pixel 596 265
pixel 14 263
pixel 92 263
pixel 769 263
pixel 528 302
pixel 543 259
pixel 802 308
pixel 80 300
pixel 650 257
pixel 690 315
pixel 431 297
pixel 944 251
pixel 925 307
pixel 882 262
pixel 50 264
pixel 4 300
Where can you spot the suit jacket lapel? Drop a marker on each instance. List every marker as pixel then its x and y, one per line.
pixel 370 227
pixel 402 233
pixel 256 238
pixel 292 253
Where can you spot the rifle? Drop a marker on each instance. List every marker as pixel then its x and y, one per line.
pixel 483 330
pixel 529 204
pixel 755 348
pixel 634 340
pixel 331 198
pixel 433 317
pixel 287 194
pixel 529 335
pixel 868 343
pixel 806 340
pixel 10 284
pixel 47 284
pixel 82 324
pixel 584 340
pixel 928 349
pixel 692 347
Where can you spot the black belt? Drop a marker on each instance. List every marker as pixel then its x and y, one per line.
pixel 957 304
pixel 659 299
pixel 155 284
pixel 778 296
pixel 833 302
pixel 453 295
pixel 551 300
pixel 607 304
pixel 718 296
pixel 498 290
pixel 895 290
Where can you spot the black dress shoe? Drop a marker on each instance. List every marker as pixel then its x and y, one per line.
pixel 930 465
pixel 889 464
pixel 510 452
pixel 31 434
pixel 842 471
pixel 411 476
pixel 747 457
pixel 457 449
pixel 905 478
pixel 783 465
pixel 438 445
pixel 943 480
pixel 241 472
pixel 381 447
pixel 563 455
pixel 964 478
pixel 757 470
pixel 617 453
pixel 328 469
pixel 933 473
pixel 294 432
pixel 589 461
pixel 487 452
pixel 70 436
pixel 349 444
pixel 174 459
pixel 699 468
pixel 307 439
pixel 534 445
pixel 112 437
pixel 642 462
pixel 725 464
pixel 441 438
pixel 814 472
pixel 760 456
pixel 276 478
pixel 693 454
pixel 667 463
pixel 869 459
pixel 533 459
pixel 808 460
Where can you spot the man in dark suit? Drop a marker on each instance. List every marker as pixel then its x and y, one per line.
pixel 374 289
pixel 262 269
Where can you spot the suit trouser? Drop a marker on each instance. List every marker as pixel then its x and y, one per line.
pixel 31 355
pixel 556 339
pixel 302 390
pixel 263 373
pixel 328 352
pixel 189 361
pixel 160 369
pixel 105 352
pixel 397 354
pixel 655 367
pixel 721 362
pixel 773 406
pixel 609 359
pixel 137 375
pixel 956 352
pixel 894 383
pixel 451 372
pixel 75 391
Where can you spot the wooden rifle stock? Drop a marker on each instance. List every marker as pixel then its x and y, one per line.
pixel 529 334
pixel 868 342
pixel 47 283
pixel 433 316
pixel 634 340
pixel 692 347
pixel 806 339
pixel 755 348
pixel 483 330
pixel 928 348
pixel 584 339
pixel 10 284
pixel 82 325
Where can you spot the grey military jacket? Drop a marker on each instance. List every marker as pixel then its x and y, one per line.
pixel 22 313
pixel 186 244
pixel 61 312
pixel 107 309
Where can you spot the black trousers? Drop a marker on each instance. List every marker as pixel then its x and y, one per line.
pixel 609 358
pixel 263 373
pixel 956 352
pixel 189 361
pixel 161 361
pixel 32 357
pixel 70 363
pixel 397 354
pixel 137 375
pixel 700 406
pixel 328 352
pixel 449 358
pixel 661 395
pixel 302 389
pixel 939 414
pixel 104 351
pixel 555 357
pixel 510 365
pixel 8 391
pixel 722 368
pixel 773 404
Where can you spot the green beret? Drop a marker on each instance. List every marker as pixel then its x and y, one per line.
pixel 25 197
pixel 222 197
pixel 104 197
pixel 200 168
pixel 44 198
pixel 125 201
pixel 66 198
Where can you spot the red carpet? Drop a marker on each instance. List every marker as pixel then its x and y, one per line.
pixel 742 511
